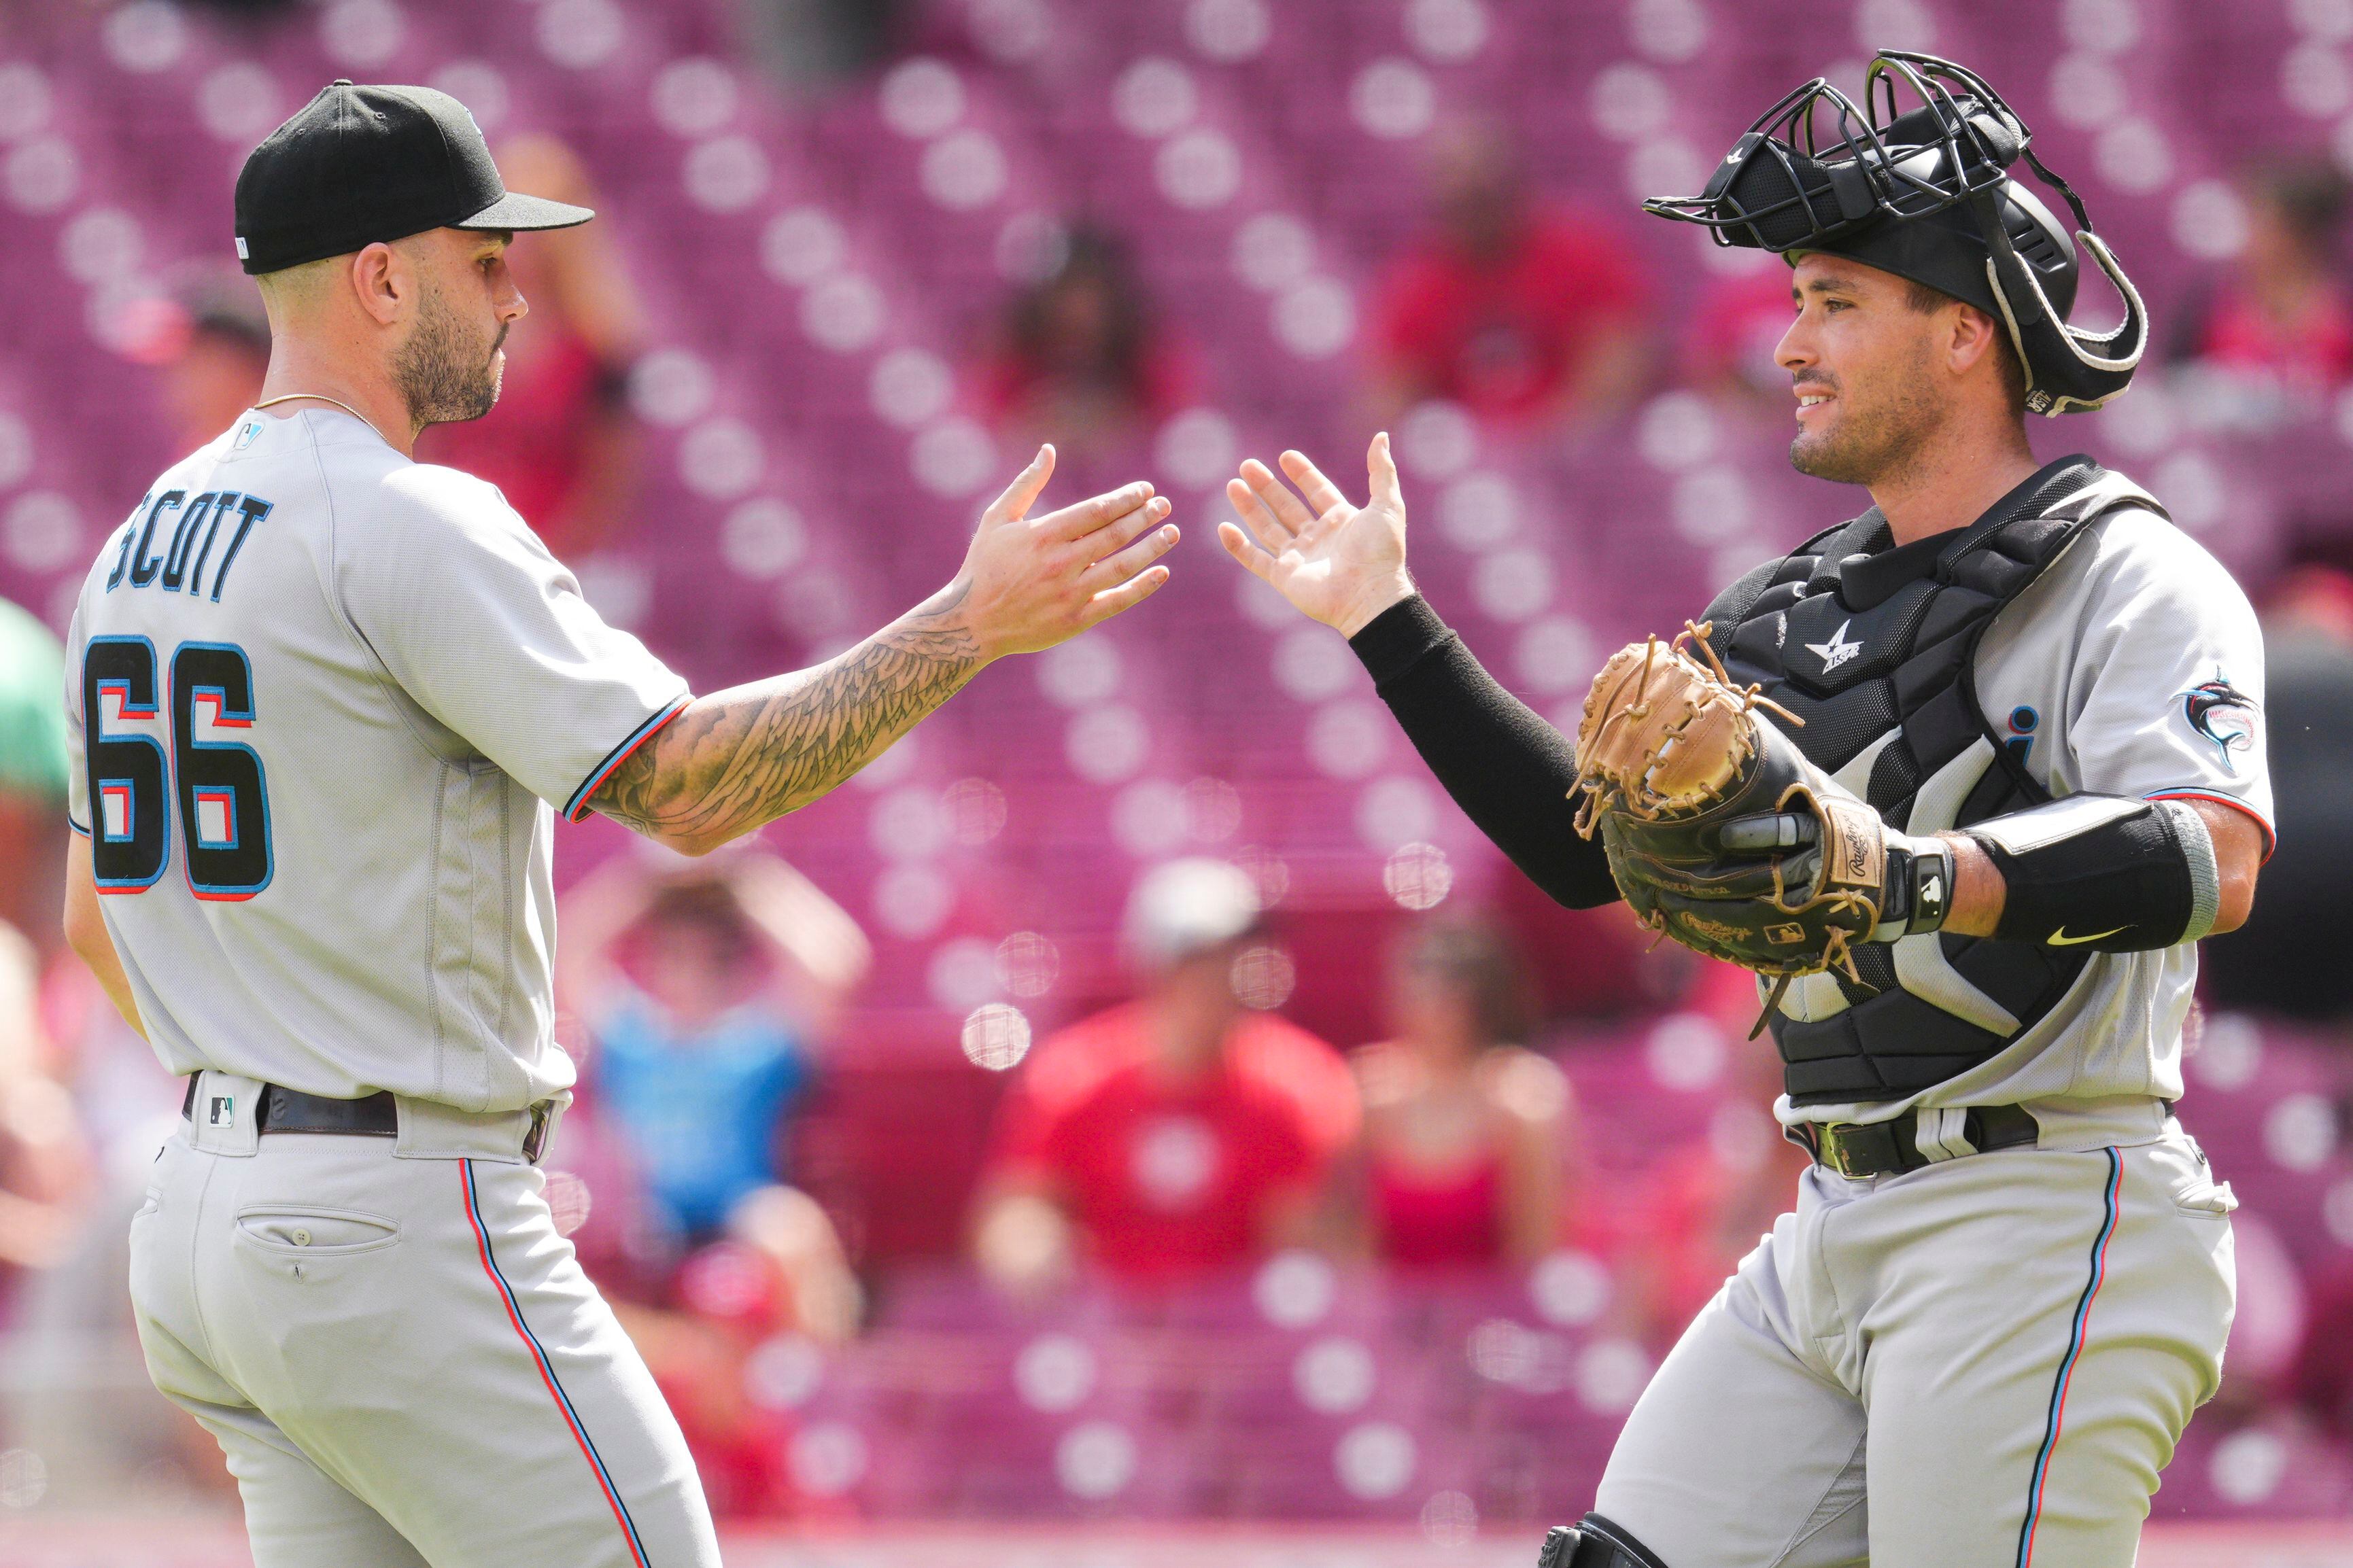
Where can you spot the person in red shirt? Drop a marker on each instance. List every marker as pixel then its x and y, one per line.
pixel 1704 1204
pixel 1177 1135
pixel 561 446
pixel 1082 358
pixel 1467 1146
pixel 210 342
pixel 2280 318
pixel 1522 315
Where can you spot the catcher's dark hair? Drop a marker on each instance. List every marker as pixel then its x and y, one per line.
pixel 1480 959
pixel 1924 299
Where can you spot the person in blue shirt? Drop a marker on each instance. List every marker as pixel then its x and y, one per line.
pixel 702 986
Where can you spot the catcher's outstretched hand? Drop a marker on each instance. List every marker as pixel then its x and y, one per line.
pixel 1339 563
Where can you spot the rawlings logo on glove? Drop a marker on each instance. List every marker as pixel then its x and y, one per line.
pixel 1722 835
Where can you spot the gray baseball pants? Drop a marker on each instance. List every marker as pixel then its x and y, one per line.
pixel 400 1357
pixel 1984 1363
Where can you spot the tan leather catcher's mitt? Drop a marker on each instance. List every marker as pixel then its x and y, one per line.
pixel 1668 752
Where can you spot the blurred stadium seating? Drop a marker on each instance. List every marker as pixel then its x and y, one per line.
pixel 819 272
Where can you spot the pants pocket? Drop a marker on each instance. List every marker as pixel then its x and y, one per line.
pixel 296 1231
pixel 2180 1165
pixel 2214 1200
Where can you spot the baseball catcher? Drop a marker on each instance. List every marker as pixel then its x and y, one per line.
pixel 1964 779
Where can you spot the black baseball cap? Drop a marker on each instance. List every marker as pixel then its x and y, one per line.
pixel 360 164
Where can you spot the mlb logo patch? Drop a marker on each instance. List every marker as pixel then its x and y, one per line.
pixel 246 433
pixel 224 1110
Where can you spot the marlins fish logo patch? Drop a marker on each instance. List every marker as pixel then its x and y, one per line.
pixel 2224 714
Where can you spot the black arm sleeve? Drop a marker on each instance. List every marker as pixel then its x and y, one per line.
pixel 1507 769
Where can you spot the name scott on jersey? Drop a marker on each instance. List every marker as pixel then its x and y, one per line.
pixel 195 531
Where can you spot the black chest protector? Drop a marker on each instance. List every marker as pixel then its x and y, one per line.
pixel 1874 645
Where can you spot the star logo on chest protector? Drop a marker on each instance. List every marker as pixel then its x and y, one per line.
pixel 1836 651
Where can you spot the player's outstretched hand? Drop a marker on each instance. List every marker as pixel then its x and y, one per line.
pixel 1342 565
pixel 1029 583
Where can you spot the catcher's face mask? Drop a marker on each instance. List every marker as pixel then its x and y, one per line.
pixel 1927 193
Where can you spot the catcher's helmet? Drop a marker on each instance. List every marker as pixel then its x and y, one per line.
pixel 1925 194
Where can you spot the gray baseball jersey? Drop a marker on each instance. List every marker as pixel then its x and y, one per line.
pixel 321 699
pixel 1995 1354
pixel 2135 667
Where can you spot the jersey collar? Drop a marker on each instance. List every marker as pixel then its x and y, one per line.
pixel 1867 565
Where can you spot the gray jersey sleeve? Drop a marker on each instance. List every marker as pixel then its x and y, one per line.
pixel 2167 694
pixel 487 632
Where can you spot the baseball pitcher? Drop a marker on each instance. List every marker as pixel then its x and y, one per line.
pixel 323 700
pixel 1964 781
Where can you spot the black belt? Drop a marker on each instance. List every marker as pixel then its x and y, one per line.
pixel 291 1110
pixel 376 1116
pixel 1888 1149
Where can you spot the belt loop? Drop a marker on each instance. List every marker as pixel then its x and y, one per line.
pixel 225 1117
pixel 1942 1134
pixel 432 1131
pixel 549 1115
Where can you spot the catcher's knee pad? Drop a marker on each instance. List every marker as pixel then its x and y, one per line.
pixel 1594 1542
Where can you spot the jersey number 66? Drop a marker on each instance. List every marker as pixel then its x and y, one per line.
pixel 217 786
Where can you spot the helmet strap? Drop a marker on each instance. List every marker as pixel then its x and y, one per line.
pixel 2067 371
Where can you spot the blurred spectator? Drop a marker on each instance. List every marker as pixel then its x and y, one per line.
pixel 779 1277
pixel 1518 313
pixel 1176 1135
pixel 2322 1376
pixel 2277 325
pixel 1728 347
pixel 2288 957
pixel 1082 360
pixel 560 443
pixel 44 1165
pixel 1591 964
pixel 812 43
pixel 698 1324
pixel 32 778
pixel 612 1218
pixel 1467 1132
pixel 1705 1205
pixel 702 985
pixel 74 1386
pixel 212 342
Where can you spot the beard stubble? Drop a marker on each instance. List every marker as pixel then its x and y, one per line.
pixel 1872 440
pixel 446 373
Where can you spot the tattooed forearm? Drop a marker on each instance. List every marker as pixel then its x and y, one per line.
pixel 743 757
